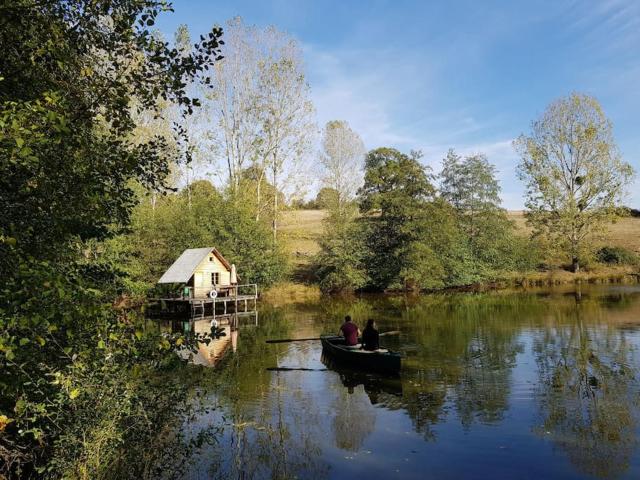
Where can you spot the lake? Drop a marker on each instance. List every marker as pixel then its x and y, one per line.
pixel 536 384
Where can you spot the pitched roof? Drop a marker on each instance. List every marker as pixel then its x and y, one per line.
pixel 183 268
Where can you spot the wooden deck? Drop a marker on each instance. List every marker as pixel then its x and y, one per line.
pixel 206 307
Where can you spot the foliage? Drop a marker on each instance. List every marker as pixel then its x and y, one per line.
pixel 326 197
pixel 617 255
pixel 343 249
pixel 161 231
pixel 76 76
pixel 340 262
pixel 396 189
pixel 574 173
pixel 630 212
pixel 411 238
pixel 470 186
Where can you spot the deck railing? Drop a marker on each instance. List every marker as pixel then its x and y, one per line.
pixel 226 291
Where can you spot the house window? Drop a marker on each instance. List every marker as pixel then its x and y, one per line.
pixel 215 278
pixel 211 259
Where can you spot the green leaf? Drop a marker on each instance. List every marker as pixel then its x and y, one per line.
pixel 74 393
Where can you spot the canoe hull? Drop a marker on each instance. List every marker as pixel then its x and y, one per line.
pixel 389 362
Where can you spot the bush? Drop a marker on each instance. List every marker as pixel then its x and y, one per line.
pixel 617 256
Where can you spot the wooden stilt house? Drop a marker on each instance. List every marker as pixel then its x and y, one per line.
pixel 206 286
pixel 201 271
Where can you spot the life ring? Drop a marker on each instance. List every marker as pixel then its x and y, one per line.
pixel 213 294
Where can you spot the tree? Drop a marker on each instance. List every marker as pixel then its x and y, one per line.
pixel 260 108
pixel 287 123
pixel 471 187
pixel 74 76
pixel 342 249
pixel 326 197
pixel 395 193
pixel 342 158
pixel 574 174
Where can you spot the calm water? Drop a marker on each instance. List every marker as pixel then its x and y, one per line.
pixel 524 385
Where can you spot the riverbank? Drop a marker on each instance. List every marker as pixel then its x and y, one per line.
pixel 291 292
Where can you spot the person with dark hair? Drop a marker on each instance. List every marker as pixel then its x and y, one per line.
pixel 370 336
pixel 349 331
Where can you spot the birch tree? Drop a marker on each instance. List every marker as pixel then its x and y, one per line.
pixel 574 174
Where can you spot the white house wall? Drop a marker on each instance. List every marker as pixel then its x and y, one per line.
pixel 202 275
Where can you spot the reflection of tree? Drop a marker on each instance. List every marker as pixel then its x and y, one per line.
pixel 587 397
pixel 354 418
pixel 460 350
pixel 271 425
pixel 483 388
pixel 465 348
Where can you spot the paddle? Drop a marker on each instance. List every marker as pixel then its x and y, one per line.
pixel 286 340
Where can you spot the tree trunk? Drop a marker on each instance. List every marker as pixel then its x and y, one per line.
pixel 575 265
pixel 275 201
pixel 259 194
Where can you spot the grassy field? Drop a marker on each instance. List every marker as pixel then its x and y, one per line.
pixel 302 229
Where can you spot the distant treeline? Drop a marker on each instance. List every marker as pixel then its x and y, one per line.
pixel 631 212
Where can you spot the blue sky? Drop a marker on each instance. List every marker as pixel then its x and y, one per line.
pixel 469 75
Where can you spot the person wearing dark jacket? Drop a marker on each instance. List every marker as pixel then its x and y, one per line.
pixel 370 336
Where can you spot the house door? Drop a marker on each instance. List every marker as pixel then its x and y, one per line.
pixel 198 280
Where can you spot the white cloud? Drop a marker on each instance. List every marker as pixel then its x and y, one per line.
pixel 363 96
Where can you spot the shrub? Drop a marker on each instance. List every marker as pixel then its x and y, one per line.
pixel 617 256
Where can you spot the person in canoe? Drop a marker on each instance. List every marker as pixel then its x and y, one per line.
pixel 349 331
pixel 370 336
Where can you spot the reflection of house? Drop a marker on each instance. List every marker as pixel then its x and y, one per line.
pixel 210 354
pixel 201 270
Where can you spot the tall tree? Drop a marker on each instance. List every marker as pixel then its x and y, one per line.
pixel 260 108
pixel 342 159
pixel 395 193
pixel 342 249
pixel 287 123
pixel 471 187
pixel 574 173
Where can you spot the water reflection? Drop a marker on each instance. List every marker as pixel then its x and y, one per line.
pixel 548 377
pixel 588 395
pixel 211 341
